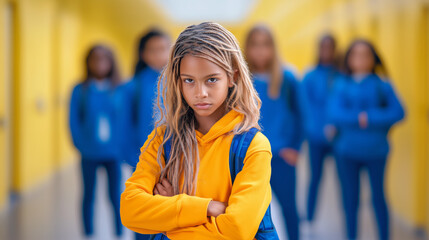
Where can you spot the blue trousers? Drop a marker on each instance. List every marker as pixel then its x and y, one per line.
pixel 283 183
pixel 349 172
pixel 89 170
pixel 318 152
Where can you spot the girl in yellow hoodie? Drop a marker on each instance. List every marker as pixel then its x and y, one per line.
pixel 205 98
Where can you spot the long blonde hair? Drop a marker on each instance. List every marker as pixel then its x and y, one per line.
pixel 212 42
pixel 274 66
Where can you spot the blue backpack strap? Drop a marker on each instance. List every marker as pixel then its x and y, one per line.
pixel 167 151
pixel 266 229
pixel 237 154
pixel 159 236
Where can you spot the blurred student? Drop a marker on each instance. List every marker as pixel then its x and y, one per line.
pixel 140 93
pixel 363 108
pixel 316 88
pixel 94 125
pixel 280 118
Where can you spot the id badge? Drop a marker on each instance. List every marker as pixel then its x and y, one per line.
pixel 103 129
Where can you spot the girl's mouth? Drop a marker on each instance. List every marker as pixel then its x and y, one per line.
pixel 202 106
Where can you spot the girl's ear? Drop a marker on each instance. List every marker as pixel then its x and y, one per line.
pixel 234 78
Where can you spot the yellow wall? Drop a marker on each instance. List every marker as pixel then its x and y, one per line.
pixel 66 71
pixel 33 93
pixel 3 165
pixel 52 37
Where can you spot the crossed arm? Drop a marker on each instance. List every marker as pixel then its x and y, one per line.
pixel 148 206
pixel 164 188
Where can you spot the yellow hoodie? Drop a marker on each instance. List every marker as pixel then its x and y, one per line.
pixel 185 217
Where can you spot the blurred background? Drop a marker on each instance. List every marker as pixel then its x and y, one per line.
pixel 42 49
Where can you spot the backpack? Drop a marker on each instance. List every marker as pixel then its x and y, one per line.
pixel 237 153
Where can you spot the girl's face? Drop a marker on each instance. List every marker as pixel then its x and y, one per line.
pixel 361 59
pixel 327 52
pixel 260 50
pixel 204 86
pixel 155 53
pixel 99 64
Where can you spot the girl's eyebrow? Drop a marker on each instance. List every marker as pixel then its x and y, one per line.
pixel 208 76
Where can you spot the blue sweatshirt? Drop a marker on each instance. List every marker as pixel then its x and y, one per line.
pixel 280 117
pixel 139 102
pixel 371 95
pixel 94 120
pixel 315 90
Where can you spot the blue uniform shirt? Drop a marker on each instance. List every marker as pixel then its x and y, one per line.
pixel 315 90
pixel 94 120
pixel 371 95
pixel 139 102
pixel 280 117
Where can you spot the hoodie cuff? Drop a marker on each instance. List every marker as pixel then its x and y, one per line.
pixel 193 211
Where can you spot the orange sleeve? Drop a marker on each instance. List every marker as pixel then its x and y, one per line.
pixel 145 213
pixel 250 194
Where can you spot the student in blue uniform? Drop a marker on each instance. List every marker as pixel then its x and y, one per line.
pixel 94 125
pixel 140 95
pixel 280 118
pixel 316 88
pixel 363 108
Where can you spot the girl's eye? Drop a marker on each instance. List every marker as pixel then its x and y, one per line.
pixel 212 80
pixel 188 80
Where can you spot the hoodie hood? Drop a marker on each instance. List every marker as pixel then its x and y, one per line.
pixel 223 126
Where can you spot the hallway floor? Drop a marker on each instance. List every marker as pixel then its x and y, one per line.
pixel 52 210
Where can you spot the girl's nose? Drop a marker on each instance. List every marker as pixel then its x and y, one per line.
pixel 201 91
